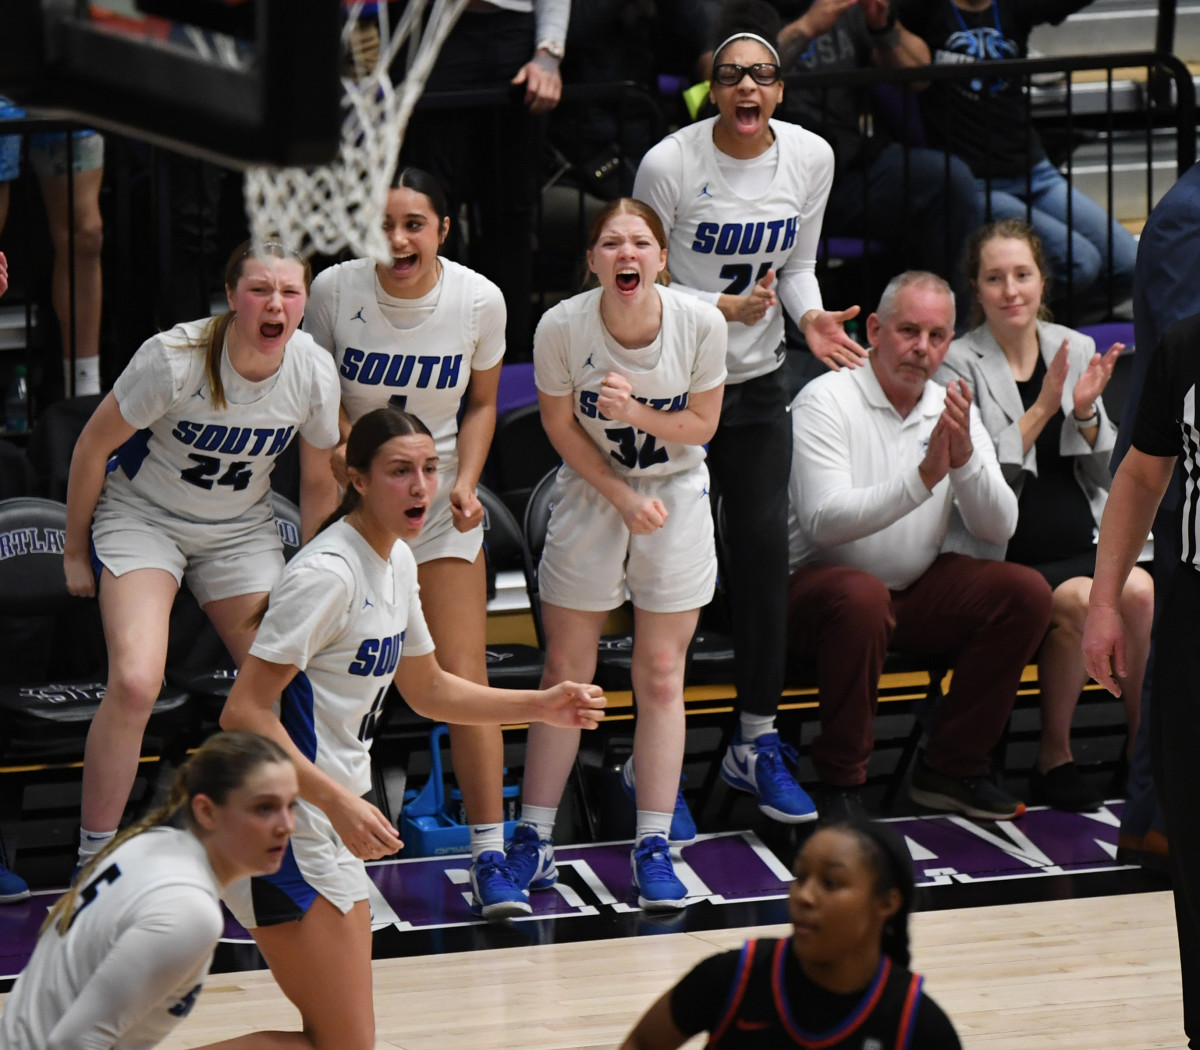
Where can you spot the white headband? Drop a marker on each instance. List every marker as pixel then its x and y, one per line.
pixel 748 36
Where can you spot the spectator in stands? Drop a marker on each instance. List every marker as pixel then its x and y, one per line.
pixel 881 455
pixel 741 197
pixel 1038 388
pixel 985 121
pixel 48 154
pixel 882 190
pixel 487 156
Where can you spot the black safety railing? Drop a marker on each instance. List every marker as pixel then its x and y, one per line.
pixel 1138 115
pixel 1143 103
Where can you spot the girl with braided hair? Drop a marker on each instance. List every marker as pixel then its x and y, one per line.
pixel 841 981
pixel 123 954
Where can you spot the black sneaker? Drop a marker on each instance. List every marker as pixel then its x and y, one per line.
pixel 977 797
pixel 1063 788
pixel 841 805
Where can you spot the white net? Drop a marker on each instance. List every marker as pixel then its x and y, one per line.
pixel 341 204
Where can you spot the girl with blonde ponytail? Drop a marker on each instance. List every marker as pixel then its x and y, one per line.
pixel 124 953
pixel 171 479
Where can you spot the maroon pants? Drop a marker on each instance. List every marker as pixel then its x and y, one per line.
pixel 990 616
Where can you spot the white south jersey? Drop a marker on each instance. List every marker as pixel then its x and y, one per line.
pixel 134 958
pixel 427 366
pixel 344 616
pixel 203 463
pixel 573 351
pixel 719 241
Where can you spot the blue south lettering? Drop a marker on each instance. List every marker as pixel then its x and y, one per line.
pixel 746 238
pixel 233 441
pixel 397 370
pixel 377 656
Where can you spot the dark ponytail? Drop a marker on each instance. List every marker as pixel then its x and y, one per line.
pixel 420 181
pixel 745 16
pixel 887 855
pixel 367 437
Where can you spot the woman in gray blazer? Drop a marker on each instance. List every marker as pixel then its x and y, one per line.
pixel 1037 386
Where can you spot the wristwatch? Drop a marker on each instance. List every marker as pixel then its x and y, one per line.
pixel 554 48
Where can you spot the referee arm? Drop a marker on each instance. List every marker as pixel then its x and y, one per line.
pixel 1138 488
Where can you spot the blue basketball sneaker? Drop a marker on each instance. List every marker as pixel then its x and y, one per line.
pixel 531 860
pixel 759 767
pixel 495 892
pixel 13 888
pixel 683 827
pixel 654 878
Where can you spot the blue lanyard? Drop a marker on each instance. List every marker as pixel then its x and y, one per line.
pixel 963 25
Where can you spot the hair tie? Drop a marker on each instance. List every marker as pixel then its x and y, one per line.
pixel 747 36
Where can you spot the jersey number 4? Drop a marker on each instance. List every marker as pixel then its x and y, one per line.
pixel 208 467
pixel 366 728
pixel 629 453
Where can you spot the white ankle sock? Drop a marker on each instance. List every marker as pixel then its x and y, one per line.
pixel 92 842
pixel 486 838
pixel 541 819
pixel 651 823
pixel 754 726
pixel 87 375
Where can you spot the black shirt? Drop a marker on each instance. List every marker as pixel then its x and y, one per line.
pixel 705 1001
pixel 983 119
pixel 1055 520
pixel 1167 423
pixel 834 112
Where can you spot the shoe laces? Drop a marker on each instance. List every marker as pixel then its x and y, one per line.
pixel 525 847
pixel 773 753
pixel 654 860
pixel 488 870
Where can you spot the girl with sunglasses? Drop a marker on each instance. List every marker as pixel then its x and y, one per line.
pixel 741 198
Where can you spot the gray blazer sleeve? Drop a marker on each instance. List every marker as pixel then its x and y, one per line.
pixel 978 359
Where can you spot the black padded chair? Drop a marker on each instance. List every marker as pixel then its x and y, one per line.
pixel 510 665
pixel 197 661
pixel 54 674
pixel 521 454
pixel 52 440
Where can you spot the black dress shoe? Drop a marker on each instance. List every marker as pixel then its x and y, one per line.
pixel 1063 788
pixel 841 805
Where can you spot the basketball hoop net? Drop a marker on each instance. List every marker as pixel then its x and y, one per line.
pixel 341 204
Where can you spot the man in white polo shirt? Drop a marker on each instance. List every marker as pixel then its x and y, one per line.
pixel 880 456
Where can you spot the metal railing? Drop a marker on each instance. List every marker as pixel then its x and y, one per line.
pixel 1117 112
pixel 1149 121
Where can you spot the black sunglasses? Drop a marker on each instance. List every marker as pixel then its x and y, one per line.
pixel 761 73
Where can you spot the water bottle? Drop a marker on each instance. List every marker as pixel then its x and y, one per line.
pixel 16 402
